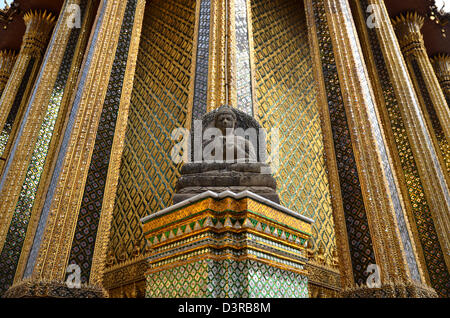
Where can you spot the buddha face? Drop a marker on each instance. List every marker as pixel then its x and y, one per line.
pixel 225 121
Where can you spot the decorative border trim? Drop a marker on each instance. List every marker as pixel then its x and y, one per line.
pixel 226 194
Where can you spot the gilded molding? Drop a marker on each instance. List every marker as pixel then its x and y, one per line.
pixel 35 147
pixel 86 233
pixel 436 115
pixel 12 176
pixel 391 290
pixel 39 25
pixel 137 265
pixel 324 280
pixel 379 196
pixel 12 87
pixel 18 107
pixel 216 74
pixel 195 105
pixel 52 289
pixel 408 27
pixel 359 103
pixel 127 279
pixel 422 171
pixel 317 291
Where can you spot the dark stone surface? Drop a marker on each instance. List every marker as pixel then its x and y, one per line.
pixel 202 167
pixel 197 178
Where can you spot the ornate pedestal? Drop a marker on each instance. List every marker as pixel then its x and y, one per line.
pixel 227 245
pixel 197 178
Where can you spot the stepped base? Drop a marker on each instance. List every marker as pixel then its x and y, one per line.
pixel 227 245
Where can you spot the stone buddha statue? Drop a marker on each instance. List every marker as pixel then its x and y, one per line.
pixel 229 160
pixel 233 148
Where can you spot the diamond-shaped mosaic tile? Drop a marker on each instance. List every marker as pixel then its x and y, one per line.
pixel 158 105
pixel 226 278
pixel 287 100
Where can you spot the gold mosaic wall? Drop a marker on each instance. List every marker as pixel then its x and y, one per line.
pixel 158 105
pixel 286 97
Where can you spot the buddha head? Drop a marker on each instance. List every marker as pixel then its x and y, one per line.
pixel 225 120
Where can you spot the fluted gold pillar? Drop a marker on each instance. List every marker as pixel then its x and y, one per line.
pixel 434 105
pixel 39 24
pixel 38 27
pixel 441 63
pixel 222 71
pixel 223 61
pixel 24 184
pixel 105 84
pixel 422 182
pixel 7 60
pixel 349 109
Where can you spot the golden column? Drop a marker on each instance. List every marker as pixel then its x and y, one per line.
pixel 39 24
pixel 24 183
pixel 224 47
pixel 423 184
pixel 38 27
pixel 441 63
pixel 408 27
pixel 108 54
pixel 7 60
pixel 230 73
pixel 345 88
pixel 222 72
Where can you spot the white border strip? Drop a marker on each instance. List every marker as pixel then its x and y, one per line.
pixel 225 194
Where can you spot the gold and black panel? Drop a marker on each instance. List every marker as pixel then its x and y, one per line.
pixel 286 99
pixel 158 106
pixel 85 234
pixel 357 227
